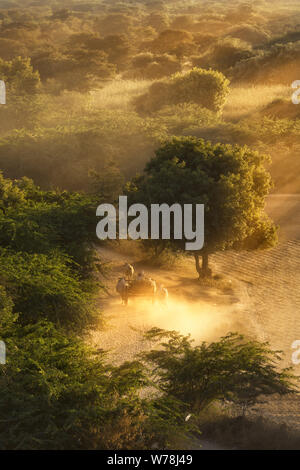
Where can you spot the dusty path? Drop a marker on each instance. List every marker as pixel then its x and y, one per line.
pixel 272 280
pixel 264 301
pixel 205 313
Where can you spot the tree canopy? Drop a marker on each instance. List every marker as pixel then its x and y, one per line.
pixel 230 181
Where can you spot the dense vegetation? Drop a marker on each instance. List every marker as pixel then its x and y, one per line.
pixel 93 89
pixel 57 393
pixel 71 70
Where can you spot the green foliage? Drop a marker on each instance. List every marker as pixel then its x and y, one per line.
pixel 47 286
pixel 61 129
pixel 19 76
pixel 76 68
pixel 185 118
pixel 37 221
pixel 231 182
pixel 63 156
pixel 207 88
pixel 233 370
pixel 46 260
pixel 56 393
pixel 150 66
pixel 270 65
pixel 174 42
pixel 225 54
pixel 108 184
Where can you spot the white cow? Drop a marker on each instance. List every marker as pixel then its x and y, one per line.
pixel 162 294
pixel 121 288
pixel 128 271
pixel 153 284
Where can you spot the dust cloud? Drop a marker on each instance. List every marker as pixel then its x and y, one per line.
pixel 123 332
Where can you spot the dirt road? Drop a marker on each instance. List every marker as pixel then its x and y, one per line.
pixel 264 301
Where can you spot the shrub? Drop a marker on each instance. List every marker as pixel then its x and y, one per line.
pixel 278 64
pixel 224 54
pixel 232 369
pixel 56 393
pixel 207 88
pixel 150 66
pixel 173 41
pixel 19 76
pixel 46 259
pixel 250 34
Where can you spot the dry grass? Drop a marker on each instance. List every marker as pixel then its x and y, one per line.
pixel 118 93
pixel 246 101
pixel 69 105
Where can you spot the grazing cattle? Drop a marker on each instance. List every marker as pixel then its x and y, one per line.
pixel 128 271
pixel 122 288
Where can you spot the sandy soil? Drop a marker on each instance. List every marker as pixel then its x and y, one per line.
pixel 272 280
pixel 264 301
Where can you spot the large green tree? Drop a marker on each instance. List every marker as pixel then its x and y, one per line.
pixel 230 181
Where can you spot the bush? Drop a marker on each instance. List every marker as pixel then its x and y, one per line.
pixel 56 393
pixel 46 286
pixel 46 259
pixel 207 88
pixel 250 34
pixel 150 66
pixel 19 76
pixel 63 156
pixel 177 42
pixel 224 54
pixel 278 64
pixel 232 370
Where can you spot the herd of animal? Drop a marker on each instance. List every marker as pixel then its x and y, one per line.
pixel 131 285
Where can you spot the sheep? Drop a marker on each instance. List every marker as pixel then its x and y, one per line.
pixel 128 271
pixel 122 289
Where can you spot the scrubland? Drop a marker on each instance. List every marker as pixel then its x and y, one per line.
pixel 93 90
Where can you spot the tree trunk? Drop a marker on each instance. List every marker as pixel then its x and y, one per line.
pixel 203 270
pixel 197 263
